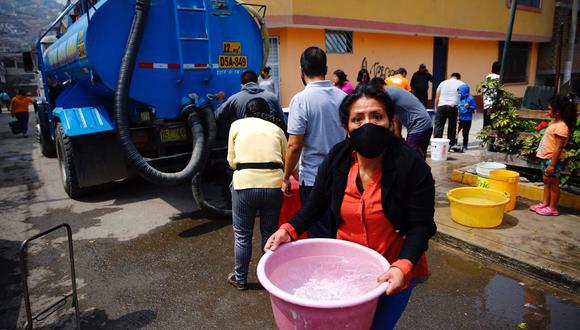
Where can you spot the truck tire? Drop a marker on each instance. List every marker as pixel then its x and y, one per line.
pixel 47 145
pixel 66 163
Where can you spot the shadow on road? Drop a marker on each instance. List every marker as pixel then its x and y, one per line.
pixel 205 228
pixel 98 319
pixel 10 284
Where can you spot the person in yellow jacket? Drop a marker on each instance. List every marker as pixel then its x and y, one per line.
pixel 256 151
pixel 19 109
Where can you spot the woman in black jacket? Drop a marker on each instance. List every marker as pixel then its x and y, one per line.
pixel 381 194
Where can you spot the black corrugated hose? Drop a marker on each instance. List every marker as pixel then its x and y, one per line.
pixel 200 141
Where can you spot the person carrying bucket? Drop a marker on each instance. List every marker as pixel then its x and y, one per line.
pixel 551 151
pixel 380 193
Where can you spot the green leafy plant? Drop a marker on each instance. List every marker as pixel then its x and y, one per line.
pixel 503 133
pixel 531 143
pixel 572 161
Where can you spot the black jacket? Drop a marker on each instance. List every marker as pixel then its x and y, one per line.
pixel 408 195
pixel 420 82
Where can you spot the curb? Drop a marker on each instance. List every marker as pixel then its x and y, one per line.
pixel 525 189
pixel 555 279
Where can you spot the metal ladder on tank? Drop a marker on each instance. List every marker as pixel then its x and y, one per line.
pixel 197 8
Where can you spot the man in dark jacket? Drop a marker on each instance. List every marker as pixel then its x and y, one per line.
pixel 235 106
pixel 420 83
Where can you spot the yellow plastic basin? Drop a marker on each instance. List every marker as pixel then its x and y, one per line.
pixel 477 207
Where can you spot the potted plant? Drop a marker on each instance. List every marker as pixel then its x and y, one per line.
pixel 503 134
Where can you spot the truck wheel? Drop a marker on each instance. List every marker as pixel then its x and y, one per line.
pixel 66 163
pixel 47 145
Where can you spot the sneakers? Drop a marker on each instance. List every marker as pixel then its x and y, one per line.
pixel 455 148
pixel 548 211
pixel 238 285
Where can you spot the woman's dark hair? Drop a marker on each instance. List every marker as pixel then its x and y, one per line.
pixel 565 107
pixel 370 91
pixel 21 92
pixel 313 62
pixel 363 76
pixel 259 108
pixel 341 77
pixel 456 75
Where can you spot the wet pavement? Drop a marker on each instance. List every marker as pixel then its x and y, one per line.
pixel 146 258
pixel 544 247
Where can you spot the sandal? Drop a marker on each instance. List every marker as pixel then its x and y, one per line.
pixel 536 207
pixel 547 211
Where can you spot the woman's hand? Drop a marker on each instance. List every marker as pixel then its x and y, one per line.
pixel 396 279
pixel 280 237
pixel 550 170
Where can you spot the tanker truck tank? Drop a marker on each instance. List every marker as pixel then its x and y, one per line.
pixel 116 82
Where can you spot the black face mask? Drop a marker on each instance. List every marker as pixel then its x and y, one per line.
pixel 370 140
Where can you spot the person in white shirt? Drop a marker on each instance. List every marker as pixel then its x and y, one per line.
pixel 446 99
pixel 266 83
pixel 488 98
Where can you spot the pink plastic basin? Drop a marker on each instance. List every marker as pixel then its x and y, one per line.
pixel 323 284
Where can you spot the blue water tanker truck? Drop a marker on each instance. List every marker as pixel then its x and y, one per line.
pixel 129 83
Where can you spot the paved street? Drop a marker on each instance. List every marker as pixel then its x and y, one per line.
pixel 146 258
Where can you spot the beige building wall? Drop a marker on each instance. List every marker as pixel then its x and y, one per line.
pixel 381 53
pixel 472 59
pixel 452 18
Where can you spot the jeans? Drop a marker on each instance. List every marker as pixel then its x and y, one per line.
pixel 245 204
pixel 420 141
pixel 444 113
pixel 465 126
pixel 391 308
pixel 22 118
pixel 323 227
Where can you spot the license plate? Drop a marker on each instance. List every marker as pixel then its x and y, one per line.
pixel 234 62
pixel 173 134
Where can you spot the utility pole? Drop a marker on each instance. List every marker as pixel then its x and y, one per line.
pixel 508 38
pixel 558 68
pixel 572 38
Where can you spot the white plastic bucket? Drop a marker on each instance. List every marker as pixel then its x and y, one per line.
pixel 483 170
pixel 439 148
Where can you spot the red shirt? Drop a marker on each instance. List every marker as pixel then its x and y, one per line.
pixel 364 222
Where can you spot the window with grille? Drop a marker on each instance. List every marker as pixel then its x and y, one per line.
pixel 529 3
pixel 516 67
pixel 338 42
pixel 274 63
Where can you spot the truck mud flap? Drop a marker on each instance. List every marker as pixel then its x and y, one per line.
pixel 99 159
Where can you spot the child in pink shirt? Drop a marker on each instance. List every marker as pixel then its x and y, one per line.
pixel 551 151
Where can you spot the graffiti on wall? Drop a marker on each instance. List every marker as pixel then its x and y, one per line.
pixel 377 69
